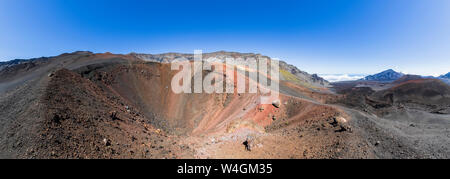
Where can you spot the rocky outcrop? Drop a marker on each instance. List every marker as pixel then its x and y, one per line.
pixel 313 79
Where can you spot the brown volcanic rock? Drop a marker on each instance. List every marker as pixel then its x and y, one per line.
pixel 412 91
pixel 406 78
pixel 81 117
pixel 427 94
pixel 120 106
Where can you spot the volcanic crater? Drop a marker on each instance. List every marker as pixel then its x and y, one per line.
pixel 86 105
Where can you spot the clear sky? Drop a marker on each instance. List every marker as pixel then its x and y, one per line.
pixel 318 36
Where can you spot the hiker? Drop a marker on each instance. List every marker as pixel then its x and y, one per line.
pixel 247 145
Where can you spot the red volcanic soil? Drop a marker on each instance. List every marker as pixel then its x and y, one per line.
pixel 85 105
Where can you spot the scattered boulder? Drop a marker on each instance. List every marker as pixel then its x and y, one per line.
pixel 334 122
pixel 276 103
pixel 106 142
pixel 341 120
pixel 57 119
pixel 344 128
pixel 261 109
pixel 113 115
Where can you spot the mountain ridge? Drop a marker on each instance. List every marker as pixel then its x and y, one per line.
pixel 445 75
pixel 387 75
pixel 304 77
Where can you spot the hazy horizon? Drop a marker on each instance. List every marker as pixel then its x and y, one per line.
pixel 321 37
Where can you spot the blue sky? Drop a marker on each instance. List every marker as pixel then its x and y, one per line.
pixel 318 36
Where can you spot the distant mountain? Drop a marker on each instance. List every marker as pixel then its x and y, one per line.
pixel 11 63
pixel 388 75
pixel 445 76
pixel 28 63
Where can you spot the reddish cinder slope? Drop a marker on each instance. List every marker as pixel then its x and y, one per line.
pixel 147 87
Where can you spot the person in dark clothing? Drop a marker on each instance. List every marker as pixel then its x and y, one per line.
pixel 247 145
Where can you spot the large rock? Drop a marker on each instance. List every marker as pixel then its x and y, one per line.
pixel 276 103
